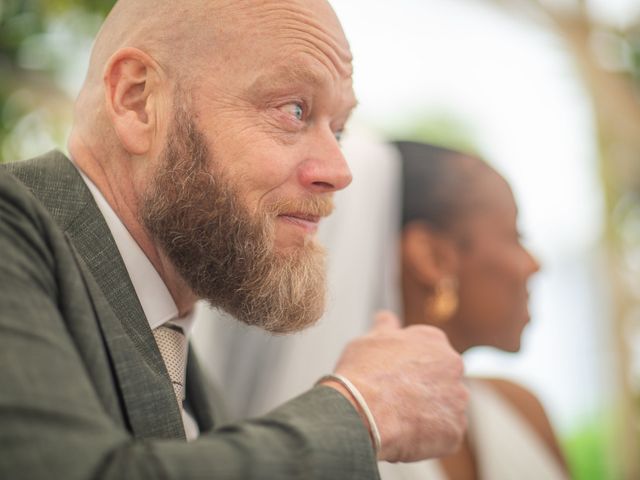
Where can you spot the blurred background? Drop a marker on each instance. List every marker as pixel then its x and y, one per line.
pixel 548 91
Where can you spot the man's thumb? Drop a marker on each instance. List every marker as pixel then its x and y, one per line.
pixel 386 320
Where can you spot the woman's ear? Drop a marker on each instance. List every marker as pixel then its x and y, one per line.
pixel 131 81
pixel 427 254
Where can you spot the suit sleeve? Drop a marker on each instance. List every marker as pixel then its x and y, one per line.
pixel 53 425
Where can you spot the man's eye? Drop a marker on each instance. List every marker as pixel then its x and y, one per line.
pixel 339 135
pixel 294 109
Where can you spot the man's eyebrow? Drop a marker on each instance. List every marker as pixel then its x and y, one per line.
pixel 283 76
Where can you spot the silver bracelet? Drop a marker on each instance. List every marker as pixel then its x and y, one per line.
pixel 357 396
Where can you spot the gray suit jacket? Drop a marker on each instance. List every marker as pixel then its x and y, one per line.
pixel 83 389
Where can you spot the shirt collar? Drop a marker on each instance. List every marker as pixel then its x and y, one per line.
pixel 157 303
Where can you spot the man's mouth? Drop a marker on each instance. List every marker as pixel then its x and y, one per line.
pixel 309 223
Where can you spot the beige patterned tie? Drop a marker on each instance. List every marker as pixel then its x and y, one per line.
pixel 173 346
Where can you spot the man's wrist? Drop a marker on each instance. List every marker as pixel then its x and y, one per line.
pixel 353 395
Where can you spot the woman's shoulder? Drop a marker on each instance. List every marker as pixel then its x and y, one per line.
pixel 530 408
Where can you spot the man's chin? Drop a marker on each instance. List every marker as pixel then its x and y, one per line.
pixel 294 321
pixel 290 242
pixel 300 246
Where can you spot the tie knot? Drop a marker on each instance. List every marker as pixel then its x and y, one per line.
pixel 173 347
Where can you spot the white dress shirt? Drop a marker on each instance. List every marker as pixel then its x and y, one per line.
pixel 157 303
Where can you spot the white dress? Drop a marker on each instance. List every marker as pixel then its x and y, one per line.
pixel 505 445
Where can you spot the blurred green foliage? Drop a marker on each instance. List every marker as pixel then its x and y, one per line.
pixel 631 53
pixel 588 450
pixel 39 40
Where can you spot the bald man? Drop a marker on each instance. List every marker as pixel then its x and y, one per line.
pixel 203 155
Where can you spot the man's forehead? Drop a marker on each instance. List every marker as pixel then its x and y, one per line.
pixel 305 10
pixel 284 27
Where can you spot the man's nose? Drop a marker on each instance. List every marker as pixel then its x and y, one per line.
pixel 325 168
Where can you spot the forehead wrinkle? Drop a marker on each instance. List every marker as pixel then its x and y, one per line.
pixel 339 57
pixel 325 55
pixel 298 23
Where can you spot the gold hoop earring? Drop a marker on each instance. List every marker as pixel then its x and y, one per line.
pixel 444 302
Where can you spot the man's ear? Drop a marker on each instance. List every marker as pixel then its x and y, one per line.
pixel 427 254
pixel 131 81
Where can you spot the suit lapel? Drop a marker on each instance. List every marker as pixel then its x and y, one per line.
pixel 144 389
pixel 145 386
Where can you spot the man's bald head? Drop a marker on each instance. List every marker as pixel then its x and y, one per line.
pixel 181 36
pixel 193 39
pixel 170 32
pixel 176 32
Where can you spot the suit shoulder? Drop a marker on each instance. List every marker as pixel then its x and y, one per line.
pixel 56 184
pixel 38 169
pixel 27 230
pixel 16 200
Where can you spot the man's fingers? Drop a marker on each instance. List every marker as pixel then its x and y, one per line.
pixel 386 320
pixel 411 381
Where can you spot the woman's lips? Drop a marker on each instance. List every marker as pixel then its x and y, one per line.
pixel 309 223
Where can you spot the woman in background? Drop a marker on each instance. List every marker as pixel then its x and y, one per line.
pixel 465 271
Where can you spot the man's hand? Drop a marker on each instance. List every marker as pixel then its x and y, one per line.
pixel 411 379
